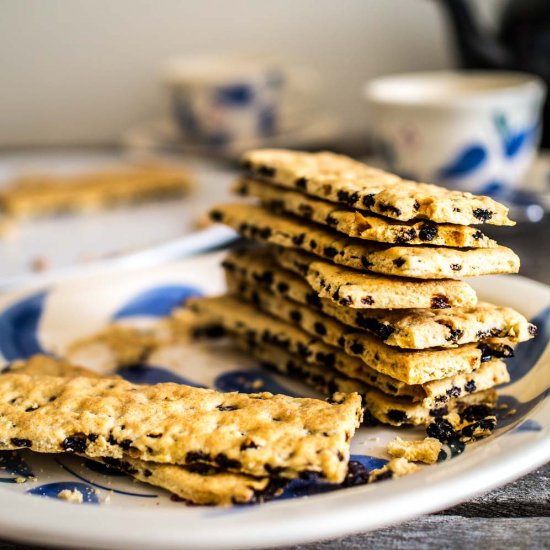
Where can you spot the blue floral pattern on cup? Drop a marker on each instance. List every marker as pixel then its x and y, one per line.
pixel 472 158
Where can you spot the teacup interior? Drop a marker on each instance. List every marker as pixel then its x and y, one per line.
pixel 449 86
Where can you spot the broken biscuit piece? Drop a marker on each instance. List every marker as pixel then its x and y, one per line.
pixel 426 450
pixel 397 467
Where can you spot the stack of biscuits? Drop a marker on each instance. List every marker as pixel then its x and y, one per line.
pixel 355 285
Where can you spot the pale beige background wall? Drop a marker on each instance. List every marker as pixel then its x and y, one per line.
pixel 84 70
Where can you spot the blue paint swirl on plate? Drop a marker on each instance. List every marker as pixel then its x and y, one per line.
pixel 98 485
pixel 249 381
pixel 528 353
pixel 150 374
pixel 103 469
pixel 529 426
pixel 52 490
pixel 307 487
pixel 13 463
pixel 157 302
pixel 19 328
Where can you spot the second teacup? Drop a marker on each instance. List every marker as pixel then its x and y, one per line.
pixel 219 101
pixel 472 130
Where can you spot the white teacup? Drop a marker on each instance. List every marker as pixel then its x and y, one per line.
pixel 222 100
pixel 471 130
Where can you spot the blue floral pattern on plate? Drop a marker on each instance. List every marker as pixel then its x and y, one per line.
pixel 19 338
pixel 14 464
pixel 19 328
pixel 156 302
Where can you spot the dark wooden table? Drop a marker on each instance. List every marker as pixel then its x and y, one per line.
pixel 514 516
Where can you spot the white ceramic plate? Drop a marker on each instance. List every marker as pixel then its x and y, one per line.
pixel 137 235
pixel 120 513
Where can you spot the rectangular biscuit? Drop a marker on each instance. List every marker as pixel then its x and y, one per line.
pixel 407 328
pixel 200 484
pixel 395 411
pixel 407 369
pixel 350 288
pixel 342 180
pixel 178 424
pixel 44 195
pixel 46 365
pixel 361 225
pixel 418 262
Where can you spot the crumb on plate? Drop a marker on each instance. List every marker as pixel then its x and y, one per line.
pixel 74 496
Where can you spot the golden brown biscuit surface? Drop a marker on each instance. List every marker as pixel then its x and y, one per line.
pixel 255 434
pixel 343 180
